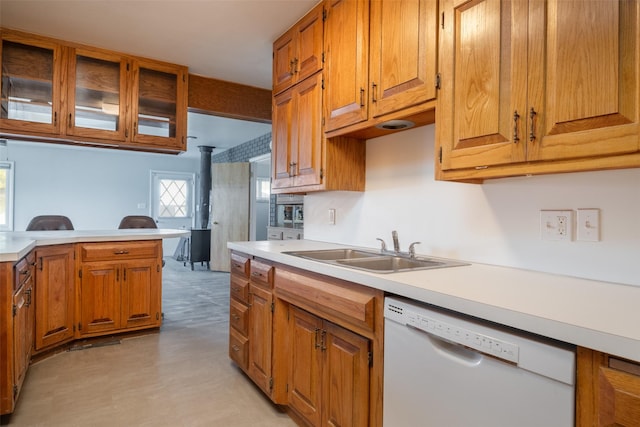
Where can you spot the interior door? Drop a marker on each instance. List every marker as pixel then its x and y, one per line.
pixel 229 210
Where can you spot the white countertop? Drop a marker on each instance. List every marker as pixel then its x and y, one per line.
pixel 15 245
pixel 599 315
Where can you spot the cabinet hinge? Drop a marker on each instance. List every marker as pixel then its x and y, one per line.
pixel 157 316
pixel 270 384
pixel 80 273
pixel 321 173
pixel 324 15
pixel 273 307
pixel 15 310
pixel 322 84
pixel 370 358
pixel 15 392
pixel 438 81
pixel 127 66
pixel 440 155
pixel 442 20
pixel 323 57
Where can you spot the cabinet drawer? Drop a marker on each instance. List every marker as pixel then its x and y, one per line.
pixel 239 349
pixel 240 264
pixel 117 251
pixel 274 235
pixel 239 288
pixel 262 273
pixel 239 317
pixel 291 235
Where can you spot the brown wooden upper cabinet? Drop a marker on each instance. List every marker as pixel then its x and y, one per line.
pixel 79 93
pixel 297 54
pixel 32 69
pixel 380 60
pixel 537 87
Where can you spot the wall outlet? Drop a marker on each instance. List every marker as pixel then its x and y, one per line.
pixel 332 217
pixel 588 225
pixel 556 225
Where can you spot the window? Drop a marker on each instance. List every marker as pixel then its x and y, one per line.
pixel 172 196
pixel 263 189
pixel 6 196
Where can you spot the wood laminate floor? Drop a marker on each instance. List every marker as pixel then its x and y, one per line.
pixel 180 376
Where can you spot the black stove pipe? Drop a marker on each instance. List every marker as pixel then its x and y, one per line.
pixel 204 203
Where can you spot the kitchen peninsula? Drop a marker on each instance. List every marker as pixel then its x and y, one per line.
pixel 58 286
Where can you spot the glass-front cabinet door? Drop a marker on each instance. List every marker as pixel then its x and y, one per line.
pixel 97 95
pixel 30 90
pixel 159 104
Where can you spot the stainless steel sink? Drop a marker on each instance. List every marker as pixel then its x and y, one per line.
pixel 374 261
pixel 390 263
pixel 334 254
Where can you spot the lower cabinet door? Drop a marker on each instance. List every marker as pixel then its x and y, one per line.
pixel 305 365
pixel 99 298
pixel 54 295
pixel 260 334
pixel 345 388
pixel 140 293
pixel 329 372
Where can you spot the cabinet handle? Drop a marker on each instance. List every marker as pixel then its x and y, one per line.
pixel 235 317
pixel 292 168
pixel 256 274
pixel 516 116
pixel 532 134
pixel 41 264
pixel 235 348
pixel 55 118
pixel 135 128
pixel 291 72
pixel 317 343
pixel 374 88
pixel 70 120
pixel 122 252
pixel 28 294
pixel 362 97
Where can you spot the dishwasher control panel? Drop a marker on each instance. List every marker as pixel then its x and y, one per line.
pixel 454 333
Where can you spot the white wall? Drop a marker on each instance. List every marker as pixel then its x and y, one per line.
pixel 496 222
pixel 94 187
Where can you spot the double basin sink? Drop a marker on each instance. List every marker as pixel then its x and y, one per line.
pixel 374 262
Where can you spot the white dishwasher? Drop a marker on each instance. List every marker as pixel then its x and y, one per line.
pixel 447 369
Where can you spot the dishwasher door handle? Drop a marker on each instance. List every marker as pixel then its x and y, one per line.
pixel 453 351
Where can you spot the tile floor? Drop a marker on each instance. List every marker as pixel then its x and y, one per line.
pixel 180 376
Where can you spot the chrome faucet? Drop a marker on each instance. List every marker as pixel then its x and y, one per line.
pixel 396 246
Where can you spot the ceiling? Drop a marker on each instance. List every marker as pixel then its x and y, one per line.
pixel 228 40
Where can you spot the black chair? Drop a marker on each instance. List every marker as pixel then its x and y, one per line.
pixel 137 221
pixel 50 222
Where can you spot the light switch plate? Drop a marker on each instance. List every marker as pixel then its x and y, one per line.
pixel 588 225
pixel 332 217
